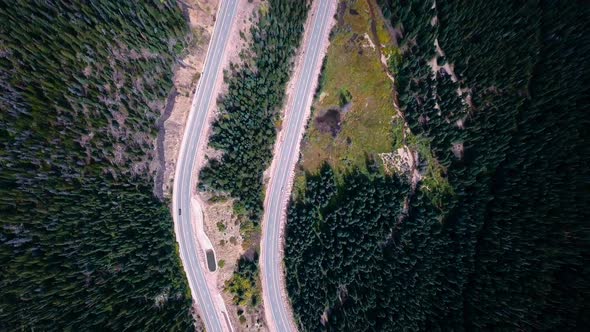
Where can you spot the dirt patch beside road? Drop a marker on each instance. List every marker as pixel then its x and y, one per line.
pixel 329 122
pixel 223 229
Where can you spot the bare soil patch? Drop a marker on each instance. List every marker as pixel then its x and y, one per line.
pixel 340 11
pixel 223 229
pixel 329 122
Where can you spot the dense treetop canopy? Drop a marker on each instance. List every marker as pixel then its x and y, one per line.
pixel 505 249
pixel 84 245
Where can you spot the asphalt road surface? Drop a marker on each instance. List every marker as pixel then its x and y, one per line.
pixel 215 318
pixel 278 191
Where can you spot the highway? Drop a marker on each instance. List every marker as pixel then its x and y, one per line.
pixel 278 316
pixel 212 311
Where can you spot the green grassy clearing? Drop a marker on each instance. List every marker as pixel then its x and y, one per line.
pixel 353 65
pixel 370 125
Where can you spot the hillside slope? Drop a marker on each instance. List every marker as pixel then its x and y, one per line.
pixel 84 245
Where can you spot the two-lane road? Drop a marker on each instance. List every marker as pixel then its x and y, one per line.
pixel 277 313
pixel 212 311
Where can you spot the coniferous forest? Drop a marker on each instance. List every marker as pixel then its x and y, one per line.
pixel 507 248
pixel 84 244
